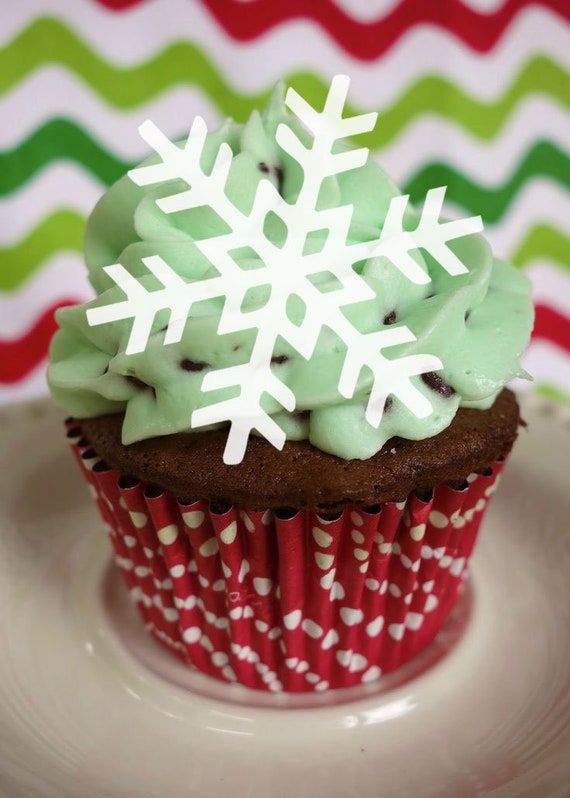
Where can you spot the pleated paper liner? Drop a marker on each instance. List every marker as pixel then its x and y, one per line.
pixel 289 603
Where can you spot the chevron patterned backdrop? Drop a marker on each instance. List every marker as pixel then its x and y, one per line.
pixel 473 94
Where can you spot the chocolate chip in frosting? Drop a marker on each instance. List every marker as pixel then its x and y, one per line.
pixel 390 318
pixel 277 360
pixel 135 382
pixel 192 365
pixel 435 382
pixel 277 171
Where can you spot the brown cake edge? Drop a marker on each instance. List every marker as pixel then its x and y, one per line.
pixel 301 476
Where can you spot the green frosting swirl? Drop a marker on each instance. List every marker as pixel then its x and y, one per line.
pixel 477 323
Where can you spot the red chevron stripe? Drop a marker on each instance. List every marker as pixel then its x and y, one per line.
pixel 553 326
pixel 20 356
pixel 369 40
pixel 119 5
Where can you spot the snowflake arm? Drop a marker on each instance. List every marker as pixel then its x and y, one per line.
pixel 431 234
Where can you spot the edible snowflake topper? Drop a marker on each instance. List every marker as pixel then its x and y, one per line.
pixel 287 271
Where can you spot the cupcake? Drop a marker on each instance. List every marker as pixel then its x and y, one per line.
pixel 288 397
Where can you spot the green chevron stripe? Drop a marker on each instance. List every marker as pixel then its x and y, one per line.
pixel 551 392
pixel 544 159
pixel 543 242
pixel 49 40
pixel 61 231
pixel 55 140
pixel 62 139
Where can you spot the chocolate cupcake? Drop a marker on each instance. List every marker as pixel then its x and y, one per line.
pixel 294 421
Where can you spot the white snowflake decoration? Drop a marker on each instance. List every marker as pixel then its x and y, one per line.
pixel 287 271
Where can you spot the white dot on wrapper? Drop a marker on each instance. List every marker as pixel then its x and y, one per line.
pixel 431 603
pixel 372 584
pixel 203 581
pixel 248 523
pixel 321 537
pixel 351 616
pixel 262 586
pixel 427 587
pixel 337 591
pixel 209 547
pixel 312 678
pixel 177 571
pixel 331 638
pixel 457 566
pixel 142 571
pixel 170 614
pixel 480 505
pixel 302 667
pixel 311 628
pixel 357 536
pixel 192 634
pixel 229 673
pixel 438 519
pixel 292 619
pixel 472 477
pixel 322 686
pixel 396 631
pixel 414 620
pixel 219 658
pixel 417 532
pixel 375 627
pixel 130 541
pixel 291 662
pixel 395 590
pixel 360 554
pixel 235 613
pixel 459 522
pixel 168 534
pixel 261 626
pixel 193 518
pixel 219 585
pixel 266 517
pixel 356 518
pixel 371 674
pixel 138 519
pixel 324 561
pixel 328 579
pixel 228 535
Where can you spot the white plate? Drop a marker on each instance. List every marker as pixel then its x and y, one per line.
pixel 90 707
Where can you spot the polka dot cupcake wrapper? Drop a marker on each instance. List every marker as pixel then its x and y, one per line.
pixel 289 603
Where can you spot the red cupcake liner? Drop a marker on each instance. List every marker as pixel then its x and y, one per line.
pixel 289 603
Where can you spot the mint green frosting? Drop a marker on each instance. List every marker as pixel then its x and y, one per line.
pixel 477 323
